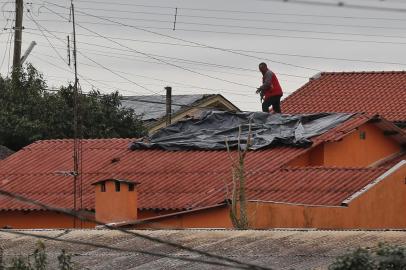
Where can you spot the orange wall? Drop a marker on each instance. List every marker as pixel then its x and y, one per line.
pixel 115 206
pixel 314 157
pixel 356 152
pixel 52 220
pixel 351 151
pixel 209 218
pixel 39 220
pixel 382 206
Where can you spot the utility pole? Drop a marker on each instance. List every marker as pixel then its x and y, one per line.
pixel 76 134
pixel 168 105
pixel 18 31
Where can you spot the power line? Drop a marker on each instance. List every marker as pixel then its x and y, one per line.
pixel 240 20
pixel 143 28
pixel 340 4
pixel 160 60
pixel 7 45
pixel 253 34
pixel 117 74
pixel 254 28
pixel 132 92
pixel 235 49
pixel 236 263
pixel 50 43
pixel 92 244
pixel 162 56
pixel 182 60
pixel 187 41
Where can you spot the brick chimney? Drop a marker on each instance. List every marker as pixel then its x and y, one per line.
pixel 116 200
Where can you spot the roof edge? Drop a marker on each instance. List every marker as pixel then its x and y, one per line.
pixel 297 204
pixel 153 219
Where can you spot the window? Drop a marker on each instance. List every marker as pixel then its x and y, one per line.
pixel 117 186
pixel 103 187
pixel 131 187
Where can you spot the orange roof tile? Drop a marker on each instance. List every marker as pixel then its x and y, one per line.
pixel 175 180
pixel 382 93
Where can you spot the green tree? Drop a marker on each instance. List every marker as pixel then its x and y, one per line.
pixel 29 112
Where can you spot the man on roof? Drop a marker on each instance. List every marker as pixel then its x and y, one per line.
pixel 270 91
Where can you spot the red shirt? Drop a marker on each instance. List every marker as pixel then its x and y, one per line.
pixel 270 85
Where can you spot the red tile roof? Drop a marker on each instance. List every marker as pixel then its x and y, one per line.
pixel 382 93
pixel 311 185
pixel 175 180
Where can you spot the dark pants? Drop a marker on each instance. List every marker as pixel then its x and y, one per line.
pixel 274 101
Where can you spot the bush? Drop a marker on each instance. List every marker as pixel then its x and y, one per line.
pixel 384 257
pixel 38 261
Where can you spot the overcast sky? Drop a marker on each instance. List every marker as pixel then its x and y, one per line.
pixel 216 46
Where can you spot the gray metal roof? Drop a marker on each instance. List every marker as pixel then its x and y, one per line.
pixel 153 107
pixel 278 249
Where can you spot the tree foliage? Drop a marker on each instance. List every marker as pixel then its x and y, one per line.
pixel 29 112
pixel 385 257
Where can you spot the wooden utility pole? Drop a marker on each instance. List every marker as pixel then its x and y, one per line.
pixel 168 105
pixel 77 185
pixel 18 31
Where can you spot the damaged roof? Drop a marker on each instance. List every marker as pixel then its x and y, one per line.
pixel 153 107
pixel 276 249
pixel 177 180
pixel 382 93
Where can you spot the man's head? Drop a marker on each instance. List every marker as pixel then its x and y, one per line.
pixel 263 67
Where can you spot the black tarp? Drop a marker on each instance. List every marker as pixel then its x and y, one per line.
pixel 213 128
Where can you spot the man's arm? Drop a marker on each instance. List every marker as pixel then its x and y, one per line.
pixel 267 82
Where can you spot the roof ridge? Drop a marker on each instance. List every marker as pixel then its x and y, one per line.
pixel 332 168
pixel 362 72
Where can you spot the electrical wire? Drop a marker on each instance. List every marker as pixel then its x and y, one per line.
pixel 5 51
pixel 241 20
pixel 175 59
pixel 104 67
pixel 232 11
pixel 236 263
pixel 180 22
pixel 140 251
pixel 235 49
pixel 187 41
pixel 159 59
pixel 340 4
pixel 143 28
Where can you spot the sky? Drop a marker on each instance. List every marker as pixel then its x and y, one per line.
pixel 215 48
